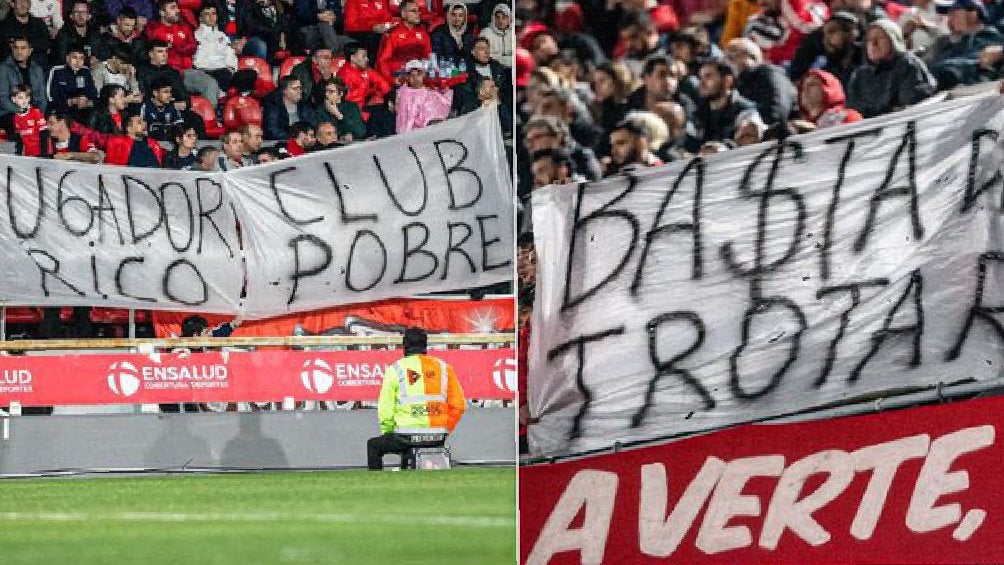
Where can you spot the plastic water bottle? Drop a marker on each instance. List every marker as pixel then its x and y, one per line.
pixel 462 68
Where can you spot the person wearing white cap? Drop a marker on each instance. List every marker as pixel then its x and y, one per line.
pixel 417 104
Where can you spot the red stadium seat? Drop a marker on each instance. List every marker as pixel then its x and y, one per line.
pixel 264 85
pixel 204 108
pixel 23 315
pixel 240 110
pixel 288 63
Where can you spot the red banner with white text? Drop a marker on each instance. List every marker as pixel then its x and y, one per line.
pixel 233 376
pixel 921 485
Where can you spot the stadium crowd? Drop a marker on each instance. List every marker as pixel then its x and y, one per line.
pixel 603 85
pixel 130 82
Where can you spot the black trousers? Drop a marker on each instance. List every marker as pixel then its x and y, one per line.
pixel 379 446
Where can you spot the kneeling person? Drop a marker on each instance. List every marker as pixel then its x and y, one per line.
pixel 420 395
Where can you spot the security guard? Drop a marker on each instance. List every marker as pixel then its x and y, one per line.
pixel 420 395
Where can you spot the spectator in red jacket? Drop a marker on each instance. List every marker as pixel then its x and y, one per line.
pixel 367 21
pixel 406 41
pixel 29 122
pixel 134 148
pixel 431 12
pixel 367 89
pixel 821 101
pixel 181 47
pixel 179 36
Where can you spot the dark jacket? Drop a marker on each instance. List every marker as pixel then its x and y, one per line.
pixel 160 120
pixel 351 122
pixel 465 96
pixel 954 63
pixel 305 72
pixel 812 55
pixel 65 83
pixel 306 11
pixel 445 46
pixel 146 74
pixel 276 119
pixel 252 20
pixel 10 76
pixel 768 87
pixel 67 36
pixel 719 125
pixel 35 30
pixel 102 122
pixel 890 85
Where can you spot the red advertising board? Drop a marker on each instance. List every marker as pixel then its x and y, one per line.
pixel 922 485
pixel 237 376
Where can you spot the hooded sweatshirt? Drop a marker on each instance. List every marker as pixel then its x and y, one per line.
pixel 500 41
pixel 452 43
pixel 833 111
pixel 900 80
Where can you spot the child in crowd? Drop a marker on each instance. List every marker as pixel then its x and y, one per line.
pixel 29 122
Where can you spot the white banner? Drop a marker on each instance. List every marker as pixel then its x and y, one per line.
pixel 422 212
pixel 770 279
pixel 91 235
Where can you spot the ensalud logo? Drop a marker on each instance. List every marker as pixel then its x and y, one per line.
pixel 123 378
pixel 505 374
pixel 317 376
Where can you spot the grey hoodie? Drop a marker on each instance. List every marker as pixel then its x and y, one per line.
pixel 878 88
pixel 501 41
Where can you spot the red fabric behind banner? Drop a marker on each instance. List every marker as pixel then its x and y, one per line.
pixel 234 377
pixel 922 485
pixel 435 316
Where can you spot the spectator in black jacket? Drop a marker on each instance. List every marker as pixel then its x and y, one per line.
pixel 660 83
pixel 109 110
pixel 320 24
pixel 126 34
pixel 156 68
pixel 834 48
pixel 481 66
pixel 78 30
pixel 548 132
pixel 720 104
pixel 454 38
pixel 891 78
pixel 285 107
pixel 20 68
pixel 183 155
pixel 762 83
pixel 20 23
pixel 158 112
pixel 265 20
pixel 71 86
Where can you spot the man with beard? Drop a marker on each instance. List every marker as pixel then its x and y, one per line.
pixel 659 84
pixel 135 148
pixel 453 39
pixel 720 104
pixel 834 48
pixel 406 41
pixel 762 83
pixel 629 149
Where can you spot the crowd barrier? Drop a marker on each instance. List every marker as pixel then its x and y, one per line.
pixel 289 369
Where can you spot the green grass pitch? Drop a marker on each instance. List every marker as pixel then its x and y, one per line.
pixel 463 516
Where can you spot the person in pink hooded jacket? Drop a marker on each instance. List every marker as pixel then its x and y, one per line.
pixel 417 104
